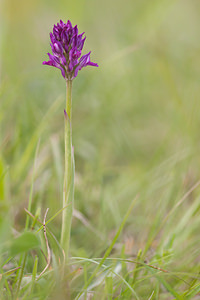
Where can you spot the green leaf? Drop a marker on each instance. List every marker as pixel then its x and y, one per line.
pixel 9 272
pixel 193 292
pixel 25 242
pixel 168 287
pixel 109 287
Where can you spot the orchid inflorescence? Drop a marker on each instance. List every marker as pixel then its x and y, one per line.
pixel 67 47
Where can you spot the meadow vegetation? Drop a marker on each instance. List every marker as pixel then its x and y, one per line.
pixel 135 231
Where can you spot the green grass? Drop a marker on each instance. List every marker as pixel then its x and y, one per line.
pixel 136 140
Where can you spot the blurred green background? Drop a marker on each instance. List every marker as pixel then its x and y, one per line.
pixel 136 122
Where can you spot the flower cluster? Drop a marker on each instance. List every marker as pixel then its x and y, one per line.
pixel 67 46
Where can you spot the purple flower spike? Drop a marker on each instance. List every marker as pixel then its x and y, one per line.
pixel 67 45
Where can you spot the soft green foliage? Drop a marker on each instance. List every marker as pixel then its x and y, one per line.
pixel 25 242
pixel 136 140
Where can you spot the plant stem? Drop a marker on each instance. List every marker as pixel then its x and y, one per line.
pixel 21 275
pixel 69 99
pixel 68 187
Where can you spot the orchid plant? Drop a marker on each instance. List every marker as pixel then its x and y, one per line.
pixel 67 45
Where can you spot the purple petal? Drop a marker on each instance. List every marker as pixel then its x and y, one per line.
pixel 92 64
pixel 76 72
pixel 48 63
pixel 63 72
pixel 63 60
pixel 74 55
pixel 75 30
pixel 54 58
pixel 58 48
pixel 56 33
pixel 80 36
pixel 64 37
pixel 70 67
pixel 69 24
pixel 62 23
pixel 84 59
pixel 81 43
pixel 74 41
pixel 53 40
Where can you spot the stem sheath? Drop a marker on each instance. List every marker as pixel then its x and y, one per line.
pixel 68 186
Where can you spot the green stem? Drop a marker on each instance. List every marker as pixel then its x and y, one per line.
pixel 68 187
pixel 21 275
pixel 69 98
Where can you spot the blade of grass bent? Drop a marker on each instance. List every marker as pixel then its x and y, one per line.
pixel 109 248
pixel 106 268
pixel 166 285
pixel 35 219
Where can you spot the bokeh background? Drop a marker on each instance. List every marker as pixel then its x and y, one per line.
pixel 136 123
